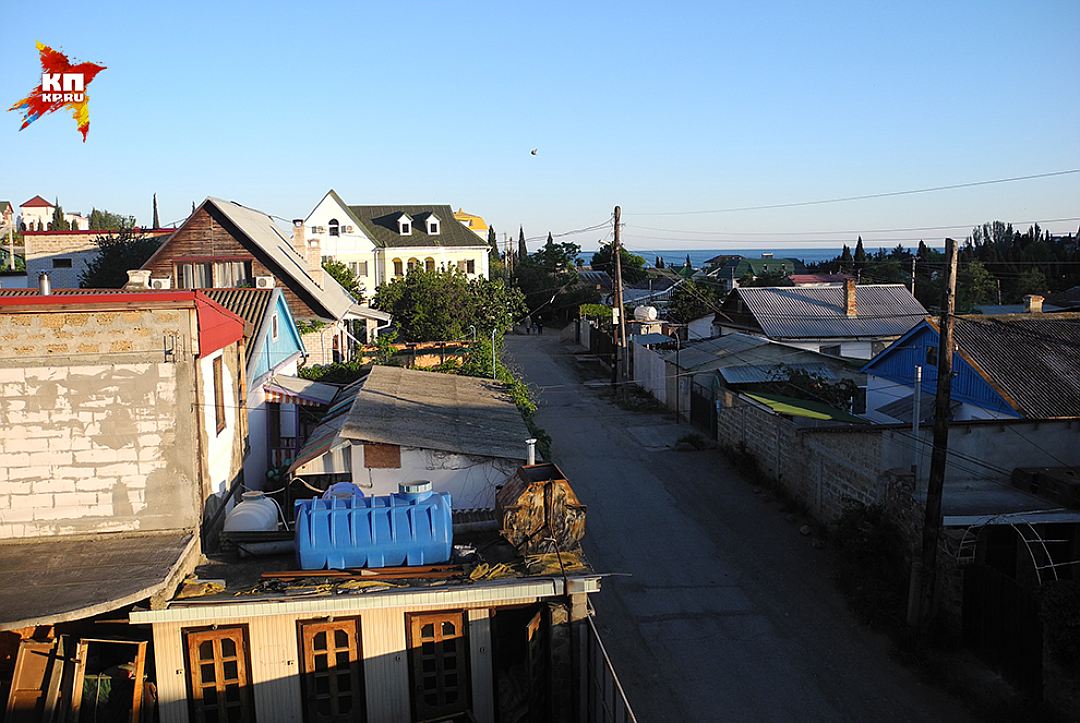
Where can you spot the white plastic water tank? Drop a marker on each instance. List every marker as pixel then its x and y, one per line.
pixel 255 513
pixel 645 313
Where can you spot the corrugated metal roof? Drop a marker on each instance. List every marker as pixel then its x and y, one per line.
pixel 818 312
pixel 646 339
pixel 430 410
pixel 248 304
pixel 779 372
pixel 1031 359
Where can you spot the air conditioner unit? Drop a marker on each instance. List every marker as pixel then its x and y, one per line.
pixel 163 283
pixel 264 282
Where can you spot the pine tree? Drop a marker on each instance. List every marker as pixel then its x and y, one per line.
pixel 523 250
pixel 58 222
pixel 923 251
pixel 860 254
pixel 157 221
pixel 550 243
pixel 845 258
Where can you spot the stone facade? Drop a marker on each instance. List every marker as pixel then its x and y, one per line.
pixel 97 425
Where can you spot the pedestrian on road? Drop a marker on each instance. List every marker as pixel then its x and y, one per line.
pixel 539 327
pixel 528 324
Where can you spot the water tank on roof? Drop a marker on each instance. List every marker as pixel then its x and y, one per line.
pixel 645 313
pixel 254 513
pixel 411 527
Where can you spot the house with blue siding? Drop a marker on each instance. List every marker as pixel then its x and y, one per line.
pixel 275 393
pixel 1012 366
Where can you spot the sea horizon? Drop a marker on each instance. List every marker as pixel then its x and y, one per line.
pixel 698 257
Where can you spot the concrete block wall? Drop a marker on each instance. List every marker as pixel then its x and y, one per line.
pixel 96 430
pixel 43 249
pixel 320 345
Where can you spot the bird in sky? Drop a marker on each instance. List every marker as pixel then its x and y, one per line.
pixel 534 151
pixel 41 101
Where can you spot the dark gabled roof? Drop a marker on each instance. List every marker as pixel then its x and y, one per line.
pixel 1030 359
pixel 381 224
pixel 249 304
pixel 818 312
pixel 4 206
pixel 1069 298
pixel 601 279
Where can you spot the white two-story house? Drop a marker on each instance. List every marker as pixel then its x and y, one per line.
pixel 379 243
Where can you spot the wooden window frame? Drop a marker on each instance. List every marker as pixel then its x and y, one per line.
pixel 219 393
pixel 193 668
pixel 414 623
pixel 308 672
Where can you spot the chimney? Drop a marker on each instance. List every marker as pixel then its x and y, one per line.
pixel 530 451
pixel 298 237
pixel 138 279
pixel 313 256
pixel 44 286
pixel 850 303
pixel 1033 304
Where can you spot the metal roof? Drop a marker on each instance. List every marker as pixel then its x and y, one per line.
pixel 1030 359
pixel 818 312
pixel 646 339
pixel 448 412
pixel 778 372
pixel 381 224
pixel 248 304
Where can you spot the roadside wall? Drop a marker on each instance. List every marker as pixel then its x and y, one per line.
pixel 96 430
pixel 650 372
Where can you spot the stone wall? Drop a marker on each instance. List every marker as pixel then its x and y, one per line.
pixel 319 345
pixel 96 429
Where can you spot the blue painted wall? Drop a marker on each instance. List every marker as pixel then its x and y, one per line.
pixel 898 361
pixel 272 352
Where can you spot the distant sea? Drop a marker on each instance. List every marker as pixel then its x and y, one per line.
pixel 698 257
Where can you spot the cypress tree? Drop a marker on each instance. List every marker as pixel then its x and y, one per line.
pixel 523 250
pixel 157 222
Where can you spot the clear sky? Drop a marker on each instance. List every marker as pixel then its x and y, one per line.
pixel 659 107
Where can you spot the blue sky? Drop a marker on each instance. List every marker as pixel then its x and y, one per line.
pixel 659 107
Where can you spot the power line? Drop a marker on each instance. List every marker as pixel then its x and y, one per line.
pixel 863 197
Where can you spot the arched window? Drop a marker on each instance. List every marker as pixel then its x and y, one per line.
pixel 398 270
pixel 335 227
pixel 413 263
pixel 429 263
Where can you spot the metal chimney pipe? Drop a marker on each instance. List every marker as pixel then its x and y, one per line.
pixel 44 286
pixel 530 450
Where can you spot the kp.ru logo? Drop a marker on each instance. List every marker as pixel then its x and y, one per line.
pixel 63 85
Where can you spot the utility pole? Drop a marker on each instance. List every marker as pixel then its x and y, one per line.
pixel 620 344
pixel 932 522
pixel 11 245
pixel 913 275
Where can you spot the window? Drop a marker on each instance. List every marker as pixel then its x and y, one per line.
pixel 470 267
pixel 397 267
pixel 433 226
pixel 404 225
pixel 438 664
pixel 358 268
pixel 335 227
pixel 195 276
pixel 461 266
pixel 412 264
pixel 429 264
pixel 232 274
pixel 219 396
pixel 218 681
pixel 274 322
pixel 331 671
pixel 830 349
pixel 931 355
pixel 382 456
pixel 61 263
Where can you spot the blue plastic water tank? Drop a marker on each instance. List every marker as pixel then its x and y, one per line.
pixel 411 527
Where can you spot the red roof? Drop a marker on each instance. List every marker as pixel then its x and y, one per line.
pixel 218 327
pixel 37 201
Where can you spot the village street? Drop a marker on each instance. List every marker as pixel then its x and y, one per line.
pixel 720 609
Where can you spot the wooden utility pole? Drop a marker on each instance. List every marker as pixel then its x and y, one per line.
pixel 932 522
pixel 620 343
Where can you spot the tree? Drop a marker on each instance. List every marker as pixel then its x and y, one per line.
pixel 157 222
pixel 58 222
pixel 1031 281
pixel 975 285
pixel 107 221
pixel 766 278
pixel 495 259
pixel 633 266
pixel 117 253
pixel 548 278
pixel 691 301
pixel 845 259
pixel 860 255
pixel 344 276
pixel 442 305
pixel 523 250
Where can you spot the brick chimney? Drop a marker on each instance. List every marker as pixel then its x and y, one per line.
pixel 313 256
pixel 1033 304
pixel 298 237
pixel 850 302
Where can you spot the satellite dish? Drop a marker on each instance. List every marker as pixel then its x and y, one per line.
pixel 534 151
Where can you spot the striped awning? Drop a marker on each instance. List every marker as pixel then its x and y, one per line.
pixel 302 392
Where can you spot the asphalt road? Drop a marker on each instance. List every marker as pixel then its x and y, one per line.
pixel 722 610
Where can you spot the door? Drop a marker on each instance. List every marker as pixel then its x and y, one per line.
pixel 331 671
pixel 439 664
pixel 536 667
pixel 26 701
pixel 219 682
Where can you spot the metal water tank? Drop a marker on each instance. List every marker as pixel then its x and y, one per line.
pixel 254 513
pixel 645 313
pixel 413 526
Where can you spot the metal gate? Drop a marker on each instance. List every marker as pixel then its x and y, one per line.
pixel 703 409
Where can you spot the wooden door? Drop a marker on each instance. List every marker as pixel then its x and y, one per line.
pixel 536 667
pixel 439 663
pixel 219 681
pixel 332 671
pixel 26 701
